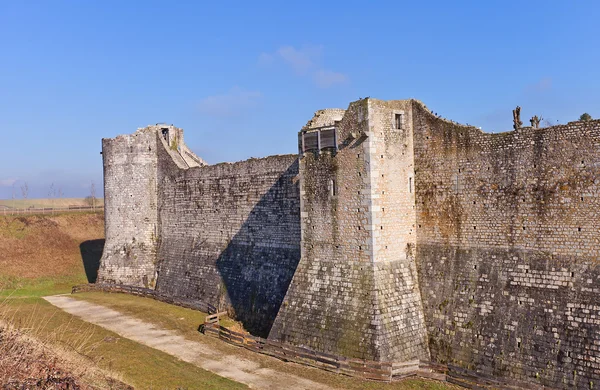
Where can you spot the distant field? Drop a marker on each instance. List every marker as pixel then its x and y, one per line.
pixel 45 203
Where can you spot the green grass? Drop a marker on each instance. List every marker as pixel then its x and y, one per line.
pixel 140 366
pixel 186 322
pixel 16 287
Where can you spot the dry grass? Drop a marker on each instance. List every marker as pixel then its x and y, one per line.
pixel 89 352
pixel 58 361
pixel 37 248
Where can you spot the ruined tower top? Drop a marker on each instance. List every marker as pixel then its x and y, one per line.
pixel 323 118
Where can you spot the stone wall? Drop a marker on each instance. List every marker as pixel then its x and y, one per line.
pixel 130 209
pixel 230 235
pixel 415 238
pixel 507 248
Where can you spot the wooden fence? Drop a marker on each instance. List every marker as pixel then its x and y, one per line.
pixel 146 292
pixel 50 210
pixel 365 369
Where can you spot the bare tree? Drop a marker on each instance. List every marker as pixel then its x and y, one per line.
pixel 51 195
pixel 93 195
pixel 25 193
pixel 13 199
pixel 548 122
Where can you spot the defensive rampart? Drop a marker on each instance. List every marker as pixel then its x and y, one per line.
pixel 394 236
pixel 508 238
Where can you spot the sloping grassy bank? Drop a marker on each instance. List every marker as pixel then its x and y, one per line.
pixel 45 255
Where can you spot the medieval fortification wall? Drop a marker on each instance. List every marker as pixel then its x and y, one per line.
pixel 394 235
pixel 507 248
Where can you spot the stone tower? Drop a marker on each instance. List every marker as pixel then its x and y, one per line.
pixel 131 198
pixel 355 292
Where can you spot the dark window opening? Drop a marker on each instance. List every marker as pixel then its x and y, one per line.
pixel 398 121
pixel 410 185
pixel 165 134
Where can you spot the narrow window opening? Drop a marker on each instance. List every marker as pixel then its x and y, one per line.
pixel 475 266
pixel 332 187
pixel 518 344
pixel 572 274
pixel 410 185
pixel 474 227
pixel 398 121
pixel 578 229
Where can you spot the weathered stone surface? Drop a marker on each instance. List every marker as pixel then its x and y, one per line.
pixel 507 248
pixel 230 235
pixel 413 238
pixel 356 291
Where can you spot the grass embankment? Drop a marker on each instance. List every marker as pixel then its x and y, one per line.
pixel 104 351
pixel 186 321
pixel 46 255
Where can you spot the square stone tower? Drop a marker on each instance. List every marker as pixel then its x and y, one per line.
pixel 355 292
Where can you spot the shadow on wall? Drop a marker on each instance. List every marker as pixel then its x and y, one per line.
pixel 91 252
pixel 259 262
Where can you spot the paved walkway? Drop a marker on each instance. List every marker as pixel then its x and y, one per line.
pixel 169 341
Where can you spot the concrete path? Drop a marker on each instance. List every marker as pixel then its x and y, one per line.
pixel 203 356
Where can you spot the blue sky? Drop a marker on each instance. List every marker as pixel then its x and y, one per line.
pixel 242 77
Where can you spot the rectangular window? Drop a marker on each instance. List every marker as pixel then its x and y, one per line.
pixel 332 189
pixel 398 121
pixel 410 185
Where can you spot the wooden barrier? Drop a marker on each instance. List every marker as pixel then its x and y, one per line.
pixel 145 292
pixel 365 369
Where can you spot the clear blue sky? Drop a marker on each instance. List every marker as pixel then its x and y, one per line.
pixel 242 78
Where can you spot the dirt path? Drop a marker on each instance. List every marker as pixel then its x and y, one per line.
pixel 229 366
